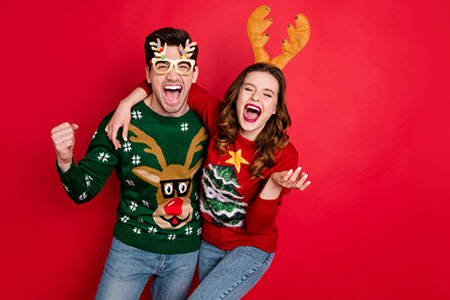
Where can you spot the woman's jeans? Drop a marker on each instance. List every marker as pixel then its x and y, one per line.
pixel 127 270
pixel 229 274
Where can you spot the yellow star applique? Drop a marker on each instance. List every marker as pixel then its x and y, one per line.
pixel 236 159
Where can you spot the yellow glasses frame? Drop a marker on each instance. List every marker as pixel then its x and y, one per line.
pixel 173 64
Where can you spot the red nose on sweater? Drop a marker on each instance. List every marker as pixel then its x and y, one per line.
pixel 174 207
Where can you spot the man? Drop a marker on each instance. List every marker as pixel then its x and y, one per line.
pixel 158 228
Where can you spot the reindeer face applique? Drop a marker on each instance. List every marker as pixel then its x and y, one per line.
pixel 174 182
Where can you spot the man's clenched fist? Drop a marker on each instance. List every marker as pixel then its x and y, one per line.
pixel 63 137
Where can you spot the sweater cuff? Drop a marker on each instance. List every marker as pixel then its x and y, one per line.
pixel 266 206
pixel 69 174
pixel 261 214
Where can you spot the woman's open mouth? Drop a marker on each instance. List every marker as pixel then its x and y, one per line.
pixel 251 113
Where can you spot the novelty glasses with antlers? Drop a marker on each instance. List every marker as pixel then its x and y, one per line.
pixel 162 65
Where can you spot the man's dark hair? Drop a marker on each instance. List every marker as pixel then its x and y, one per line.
pixel 171 36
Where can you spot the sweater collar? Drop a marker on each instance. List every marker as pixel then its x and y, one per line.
pixel 142 105
pixel 244 141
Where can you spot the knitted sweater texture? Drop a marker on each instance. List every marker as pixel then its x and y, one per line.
pixel 156 167
pixel 233 212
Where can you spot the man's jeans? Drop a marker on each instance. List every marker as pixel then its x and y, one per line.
pixel 229 274
pixel 127 270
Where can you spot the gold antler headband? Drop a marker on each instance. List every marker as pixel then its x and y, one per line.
pixel 298 37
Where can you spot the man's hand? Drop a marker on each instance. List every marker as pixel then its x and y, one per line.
pixel 63 137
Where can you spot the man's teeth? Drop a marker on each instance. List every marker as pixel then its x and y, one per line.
pixel 173 88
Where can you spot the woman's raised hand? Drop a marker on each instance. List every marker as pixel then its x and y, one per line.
pixel 292 179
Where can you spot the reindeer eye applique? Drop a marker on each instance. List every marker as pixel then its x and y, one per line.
pixel 182 188
pixel 168 190
pixel 172 188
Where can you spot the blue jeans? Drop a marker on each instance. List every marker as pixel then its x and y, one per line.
pixel 229 274
pixel 128 269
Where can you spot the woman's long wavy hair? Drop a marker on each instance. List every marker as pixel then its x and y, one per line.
pixel 272 138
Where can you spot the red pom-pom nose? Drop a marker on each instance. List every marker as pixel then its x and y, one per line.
pixel 174 207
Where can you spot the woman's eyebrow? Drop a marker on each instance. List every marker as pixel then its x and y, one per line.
pixel 269 90
pixel 254 86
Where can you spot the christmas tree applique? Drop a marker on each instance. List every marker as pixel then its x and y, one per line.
pixel 220 199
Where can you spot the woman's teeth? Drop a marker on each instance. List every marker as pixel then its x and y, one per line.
pixel 251 113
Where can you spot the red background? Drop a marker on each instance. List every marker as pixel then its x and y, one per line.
pixel 369 99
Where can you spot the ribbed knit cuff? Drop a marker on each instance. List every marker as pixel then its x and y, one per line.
pixel 266 206
pixel 69 174
pixel 261 214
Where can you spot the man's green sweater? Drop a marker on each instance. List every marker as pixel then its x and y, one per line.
pixel 156 167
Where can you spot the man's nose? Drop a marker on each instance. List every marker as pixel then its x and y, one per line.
pixel 172 73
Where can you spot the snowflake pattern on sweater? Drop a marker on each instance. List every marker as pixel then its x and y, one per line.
pixel 158 204
pixel 258 228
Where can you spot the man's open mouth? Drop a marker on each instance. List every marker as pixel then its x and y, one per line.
pixel 251 113
pixel 172 92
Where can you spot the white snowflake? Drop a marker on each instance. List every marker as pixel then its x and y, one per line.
pixel 199 231
pixel 95 133
pixel 88 180
pixel 137 230
pixel 152 230
pixel 82 196
pixel 136 114
pixel 65 187
pixel 130 182
pixel 135 159
pixel 171 237
pixel 197 215
pixel 145 203
pixel 184 127
pixel 127 146
pixel 188 230
pixel 133 206
pixel 103 156
pixel 141 220
pixel 125 219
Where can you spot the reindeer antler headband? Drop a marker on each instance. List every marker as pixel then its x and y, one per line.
pixel 298 37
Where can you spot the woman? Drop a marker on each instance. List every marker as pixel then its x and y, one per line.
pixel 249 166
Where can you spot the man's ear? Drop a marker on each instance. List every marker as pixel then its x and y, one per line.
pixel 147 72
pixel 195 74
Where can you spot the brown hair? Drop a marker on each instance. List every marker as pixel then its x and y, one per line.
pixel 272 138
